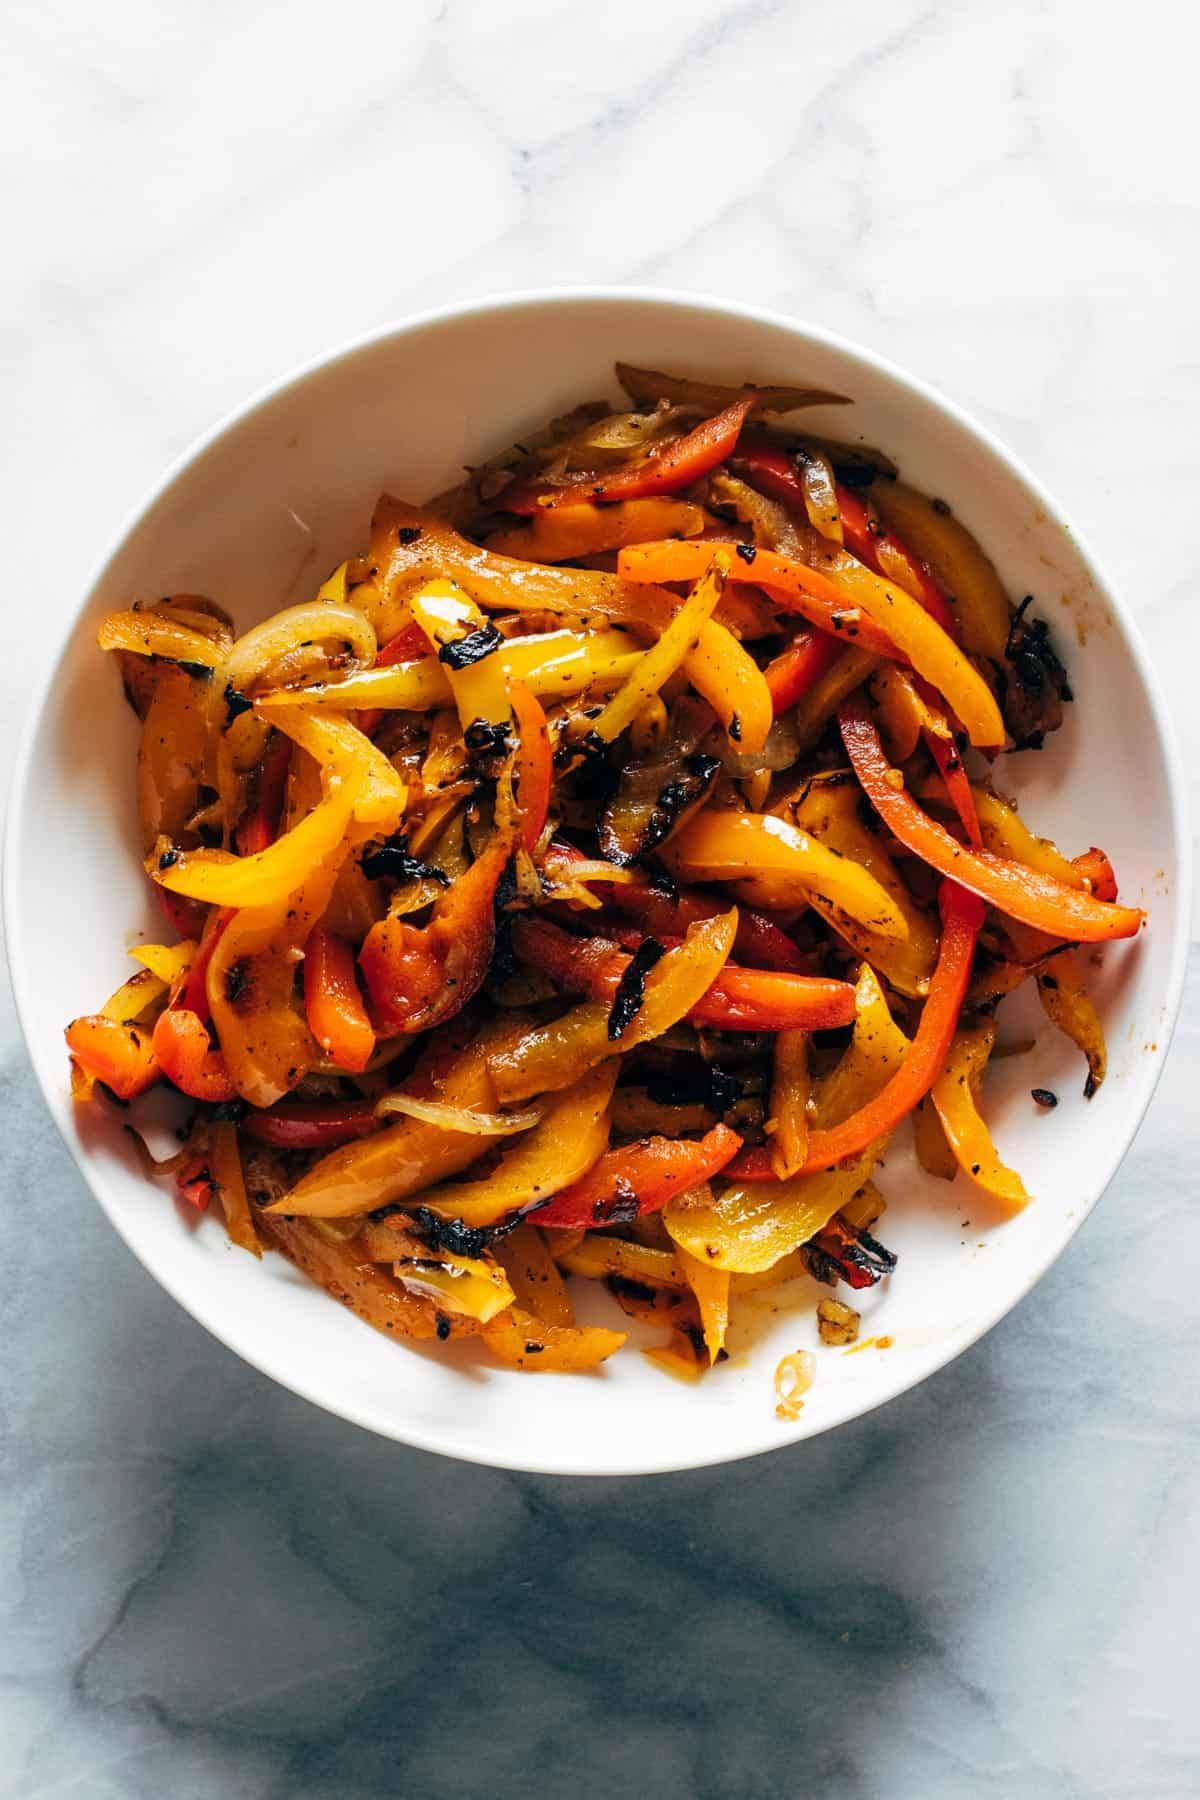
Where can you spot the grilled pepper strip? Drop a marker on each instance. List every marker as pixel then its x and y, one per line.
pixel 119 1055
pixel 738 1000
pixel 962 916
pixel 637 1179
pixel 953 1095
pixel 337 1017
pixel 664 469
pixel 733 684
pixel 560 533
pixel 798 668
pixel 535 763
pixel 313 1125
pixel 884 552
pixel 678 642
pixel 899 625
pixel 260 827
pixel 187 1058
pixel 1023 893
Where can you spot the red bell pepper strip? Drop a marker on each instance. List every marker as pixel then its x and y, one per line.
pixel 739 999
pixel 1020 892
pixel 962 916
pixel 121 1056
pixel 1095 867
pixel 864 540
pixel 408 645
pixel 194 1182
pixel 185 917
pixel 535 762
pixel 187 1058
pixel 193 995
pixel 260 827
pixel 337 1017
pixel 663 470
pixel 798 668
pixel 637 1179
pixel 950 767
pixel 314 1125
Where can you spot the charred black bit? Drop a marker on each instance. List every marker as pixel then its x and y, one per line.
pixel 391 858
pixel 472 648
pixel 453 1235
pixel 1046 1097
pixel 408 534
pixel 622 1208
pixel 941 508
pixel 699 772
pixel 627 1001
pixel 236 981
pixel 1033 681
pixel 747 552
pixel 723 1090
pixel 854 475
pixel 228 1111
pixel 1090 1085
pixel 695 1337
pixel 236 703
pixel 168 859
pixel 839 1253
pixel 482 736
pixel 532 1349
pixel 632 1290
pixel 504 960
pixel 443 1327
pixel 735 728
pixel 198 671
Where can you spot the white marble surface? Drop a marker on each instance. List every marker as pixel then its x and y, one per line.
pixel 212 1592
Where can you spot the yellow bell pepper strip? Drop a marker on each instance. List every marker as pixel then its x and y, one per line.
pixel 1067 1004
pixel 337 744
pixel 409 546
pixel 752 1224
pixel 884 620
pixel 466 644
pixel 165 962
pixel 735 846
pixel 152 634
pixel 337 1017
pixel 711 1288
pixel 268 876
pixel 962 915
pixel 934 537
pixel 791 1088
pixel 637 1179
pixel 416 685
pixel 417 978
pixel 250 985
pixel 225 1165
pixel 534 765
pixel 402 1159
pixel 733 684
pixel 646 387
pixel 534 1276
pixel 548 1057
pixel 187 1058
pixel 172 755
pixel 312 1125
pixel 738 1000
pixel 461 1284
pixel 953 1095
pixel 664 469
pixel 116 1053
pixel 561 533
pixel 520 1341
pixel 571 1135
pixel 371 1293
pixel 929 1141
pixel 679 641
pixel 827 807
pixel 1006 834
pixel 599 1256
pixel 1022 893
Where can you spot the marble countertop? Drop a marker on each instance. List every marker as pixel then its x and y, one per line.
pixel 208 1589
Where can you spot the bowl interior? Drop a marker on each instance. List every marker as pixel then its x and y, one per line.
pixel 256 518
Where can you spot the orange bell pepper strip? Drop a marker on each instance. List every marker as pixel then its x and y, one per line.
pixel 336 1015
pixel 185 917
pixel 1095 867
pixel 535 762
pixel 877 615
pixel 663 470
pixel 312 1125
pixel 798 668
pixel 418 978
pixel 260 827
pixel 1014 889
pixel 962 915
pixel 195 1183
pixel 738 1000
pixel 950 767
pixel 637 1179
pixel 119 1055
pixel 187 1058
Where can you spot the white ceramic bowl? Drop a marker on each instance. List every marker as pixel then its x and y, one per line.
pixel 265 506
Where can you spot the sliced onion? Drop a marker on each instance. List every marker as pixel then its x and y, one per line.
pixel 781 751
pixel 317 621
pixel 458 1118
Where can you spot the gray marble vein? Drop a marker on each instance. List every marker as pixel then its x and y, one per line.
pixel 210 1590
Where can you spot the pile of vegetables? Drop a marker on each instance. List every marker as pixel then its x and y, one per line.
pixel 593 876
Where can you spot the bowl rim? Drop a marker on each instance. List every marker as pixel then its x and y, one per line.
pixel 446 1442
